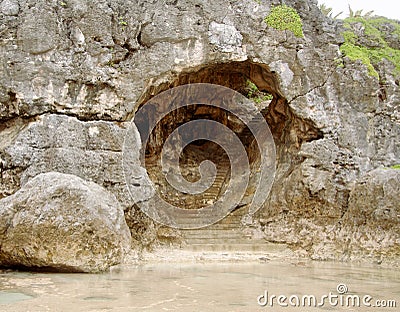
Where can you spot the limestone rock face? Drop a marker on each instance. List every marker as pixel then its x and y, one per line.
pixel 370 226
pixel 63 223
pixel 9 7
pixel 74 73
pixel 374 200
pixel 373 216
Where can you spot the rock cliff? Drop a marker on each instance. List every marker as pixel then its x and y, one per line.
pixel 74 74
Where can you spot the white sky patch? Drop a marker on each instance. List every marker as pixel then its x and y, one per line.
pixel 387 8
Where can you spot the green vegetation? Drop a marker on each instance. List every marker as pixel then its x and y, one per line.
pixel 379 49
pixel 395 167
pixel 372 48
pixel 256 95
pixel 359 13
pixel 110 63
pixel 283 17
pixel 122 22
pixel 327 11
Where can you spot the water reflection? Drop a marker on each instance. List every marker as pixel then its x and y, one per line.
pixel 193 287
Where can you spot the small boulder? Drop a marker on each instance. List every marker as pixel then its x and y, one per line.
pixel 9 7
pixel 60 222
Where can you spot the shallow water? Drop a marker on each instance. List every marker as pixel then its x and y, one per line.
pixel 197 287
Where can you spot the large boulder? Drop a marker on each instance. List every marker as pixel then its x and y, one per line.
pixel 61 222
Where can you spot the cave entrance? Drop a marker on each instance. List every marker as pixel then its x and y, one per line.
pixel 254 81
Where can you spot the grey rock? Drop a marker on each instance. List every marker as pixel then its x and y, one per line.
pixel 73 75
pixel 38 31
pixel 77 37
pixel 371 225
pixel 391 37
pixel 90 150
pixel 225 37
pixel 63 223
pixel 284 72
pixel 169 25
pixel 9 7
pixel 375 201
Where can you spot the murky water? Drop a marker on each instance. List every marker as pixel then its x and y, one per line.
pixel 200 287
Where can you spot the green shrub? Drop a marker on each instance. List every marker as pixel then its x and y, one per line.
pixel 256 95
pixel 370 56
pixel 283 17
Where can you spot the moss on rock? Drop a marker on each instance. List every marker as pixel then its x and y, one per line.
pixel 366 41
pixel 283 17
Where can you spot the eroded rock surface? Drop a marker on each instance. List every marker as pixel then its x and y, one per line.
pixel 61 222
pixel 373 217
pixel 75 72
